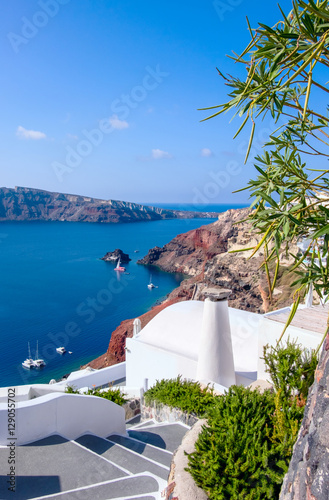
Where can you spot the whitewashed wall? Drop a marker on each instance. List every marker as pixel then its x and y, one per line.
pixel 145 361
pixel 69 415
pixel 85 378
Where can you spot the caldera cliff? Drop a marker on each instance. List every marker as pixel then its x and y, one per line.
pixel 27 204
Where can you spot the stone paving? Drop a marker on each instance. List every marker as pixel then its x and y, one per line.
pixel 93 468
pixel 163 436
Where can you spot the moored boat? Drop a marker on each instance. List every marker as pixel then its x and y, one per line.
pixel 150 285
pixel 28 363
pixel 119 267
pixel 38 362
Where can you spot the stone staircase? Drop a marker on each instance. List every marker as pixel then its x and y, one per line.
pixel 134 466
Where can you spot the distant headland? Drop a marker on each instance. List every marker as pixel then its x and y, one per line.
pixel 28 204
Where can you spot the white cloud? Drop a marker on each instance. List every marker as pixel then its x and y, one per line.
pixel 118 124
pixel 34 135
pixel 206 152
pixel 157 154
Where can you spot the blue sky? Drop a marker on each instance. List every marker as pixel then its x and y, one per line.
pixel 101 97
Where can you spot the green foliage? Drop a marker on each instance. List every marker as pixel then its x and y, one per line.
pixel 186 395
pixel 234 456
pixel 285 423
pixel 244 451
pixel 291 368
pixel 111 394
pixel 71 389
pixel 286 67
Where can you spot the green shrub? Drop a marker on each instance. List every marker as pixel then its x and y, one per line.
pixel 291 368
pixel 111 394
pixel 71 389
pixel 235 458
pixel 244 451
pixel 186 395
pixel 285 423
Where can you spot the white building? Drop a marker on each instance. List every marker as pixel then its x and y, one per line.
pixel 206 341
pixel 211 342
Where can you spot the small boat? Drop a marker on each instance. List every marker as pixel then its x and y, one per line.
pixel 61 350
pixel 28 363
pixel 150 285
pixel 136 251
pixel 38 363
pixel 119 267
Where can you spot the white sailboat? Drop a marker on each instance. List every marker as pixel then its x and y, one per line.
pixel 28 363
pixel 119 266
pixel 38 363
pixel 150 285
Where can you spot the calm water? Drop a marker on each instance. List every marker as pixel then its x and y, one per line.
pixel 210 207
pixel 55 289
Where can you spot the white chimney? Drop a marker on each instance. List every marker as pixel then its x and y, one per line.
pixel 137 327
pixel 215 361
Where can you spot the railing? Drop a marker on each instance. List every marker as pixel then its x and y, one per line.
pixel 96 378
pixel 69 415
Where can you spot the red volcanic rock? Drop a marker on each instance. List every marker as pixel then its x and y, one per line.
pixel 187 253
pixel 204 255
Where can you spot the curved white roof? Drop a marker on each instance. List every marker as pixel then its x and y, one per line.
pixel 178 329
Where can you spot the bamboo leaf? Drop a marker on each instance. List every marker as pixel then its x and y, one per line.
pixel 250 141
pixel 267 198
pixel 299 262
pixel 261 242
pixel 213 116
pixel 241 127
pixel 290 318
pixel 321 232
pixel 313 8
pixel 294 220
pixel 307 94
pixel 241 250
pixel 277 267
pixel 267 28
pixel 284 16
pixel 304 65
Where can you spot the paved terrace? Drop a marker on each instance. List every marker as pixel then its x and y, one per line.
pixel 93 468
pixel 311 318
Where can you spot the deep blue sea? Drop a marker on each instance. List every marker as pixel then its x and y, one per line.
pixel 190 207
pixel 54 289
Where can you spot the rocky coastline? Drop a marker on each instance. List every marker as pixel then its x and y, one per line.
pixel 28 204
